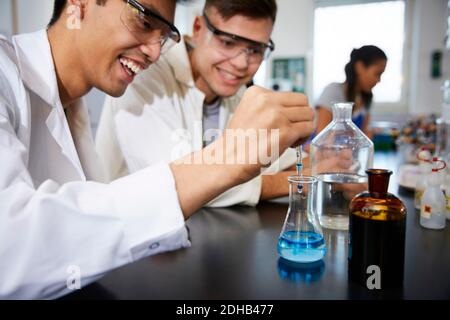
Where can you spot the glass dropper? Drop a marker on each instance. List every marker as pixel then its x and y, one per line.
pixel 299 166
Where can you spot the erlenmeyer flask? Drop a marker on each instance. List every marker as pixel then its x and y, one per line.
pixel 340 154
pixel 300 272
pixel 301 239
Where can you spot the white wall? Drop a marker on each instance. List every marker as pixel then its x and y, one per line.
pixel 6 22
pixel 429 25
pixel 185 15
pixel 293 33
pixel 33 15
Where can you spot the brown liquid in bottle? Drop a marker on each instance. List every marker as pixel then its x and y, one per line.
pixel 377 233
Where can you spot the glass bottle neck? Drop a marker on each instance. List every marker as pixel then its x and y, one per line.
pixel 342 112
pixel 378 182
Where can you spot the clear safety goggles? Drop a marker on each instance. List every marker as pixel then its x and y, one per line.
pixel 148 27
pixel 231 45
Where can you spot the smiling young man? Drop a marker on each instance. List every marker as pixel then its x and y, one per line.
pixel 187 99
pixel 58 222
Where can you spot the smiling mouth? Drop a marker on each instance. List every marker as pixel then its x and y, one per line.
pixel 131 67
pixel 228 75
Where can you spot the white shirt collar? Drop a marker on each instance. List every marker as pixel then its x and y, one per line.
pixel 36 67
pixel 178 58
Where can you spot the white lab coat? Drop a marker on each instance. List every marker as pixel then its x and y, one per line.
pixel 56 221
pixel 159 118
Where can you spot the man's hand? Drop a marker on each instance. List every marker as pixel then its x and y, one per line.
pixel 334 162
pixel 342 162
pixel 260 110
pixel 287 112
pixel 264 109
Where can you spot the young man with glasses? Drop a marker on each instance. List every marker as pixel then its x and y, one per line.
pixel 187 99
pixel 60 226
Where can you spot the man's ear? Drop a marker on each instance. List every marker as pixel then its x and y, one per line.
pixel 196 27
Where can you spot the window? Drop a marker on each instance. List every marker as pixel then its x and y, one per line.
pixel 340 28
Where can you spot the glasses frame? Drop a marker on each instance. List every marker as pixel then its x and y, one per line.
pixel 175 36
pixel 218 32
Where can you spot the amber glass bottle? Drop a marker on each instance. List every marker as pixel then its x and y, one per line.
pixel 377 233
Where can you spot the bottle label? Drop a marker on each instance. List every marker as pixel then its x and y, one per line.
pixel 429 210
pixel 426 211
pixel 418 195
pixel 418 198
pixel 448 202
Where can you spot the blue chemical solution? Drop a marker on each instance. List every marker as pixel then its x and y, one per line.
pixel 301 246
pixel 300 272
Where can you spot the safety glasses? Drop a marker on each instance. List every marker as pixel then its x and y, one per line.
pixel 149 27
pixel 231 45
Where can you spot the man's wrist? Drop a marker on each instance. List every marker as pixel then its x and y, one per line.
pixel 226 160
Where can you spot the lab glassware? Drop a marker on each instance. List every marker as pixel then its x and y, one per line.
pixel 340 154
pixel 301 239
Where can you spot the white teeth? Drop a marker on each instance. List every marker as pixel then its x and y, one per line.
pixel 131 66
pixel 228 75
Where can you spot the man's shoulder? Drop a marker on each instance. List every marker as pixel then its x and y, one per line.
pixel 7 54
pixel 11 85
pixel 170 74
pixel 9 73
pixel 155 80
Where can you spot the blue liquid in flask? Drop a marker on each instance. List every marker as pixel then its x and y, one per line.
pixel 301 246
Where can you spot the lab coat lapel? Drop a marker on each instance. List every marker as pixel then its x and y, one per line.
pixel 37 71
pixel 79 124
pixel 178 58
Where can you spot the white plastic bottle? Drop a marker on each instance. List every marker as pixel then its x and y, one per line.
pixel 421 183
pixel 447 193
pixel 433 206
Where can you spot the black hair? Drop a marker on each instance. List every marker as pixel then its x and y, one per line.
pixel 249 8
pixel 368 55
pixel 59 6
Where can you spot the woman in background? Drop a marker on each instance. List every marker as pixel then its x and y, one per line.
pixel 363 72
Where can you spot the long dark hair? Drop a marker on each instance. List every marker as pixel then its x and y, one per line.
pixel 368 55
